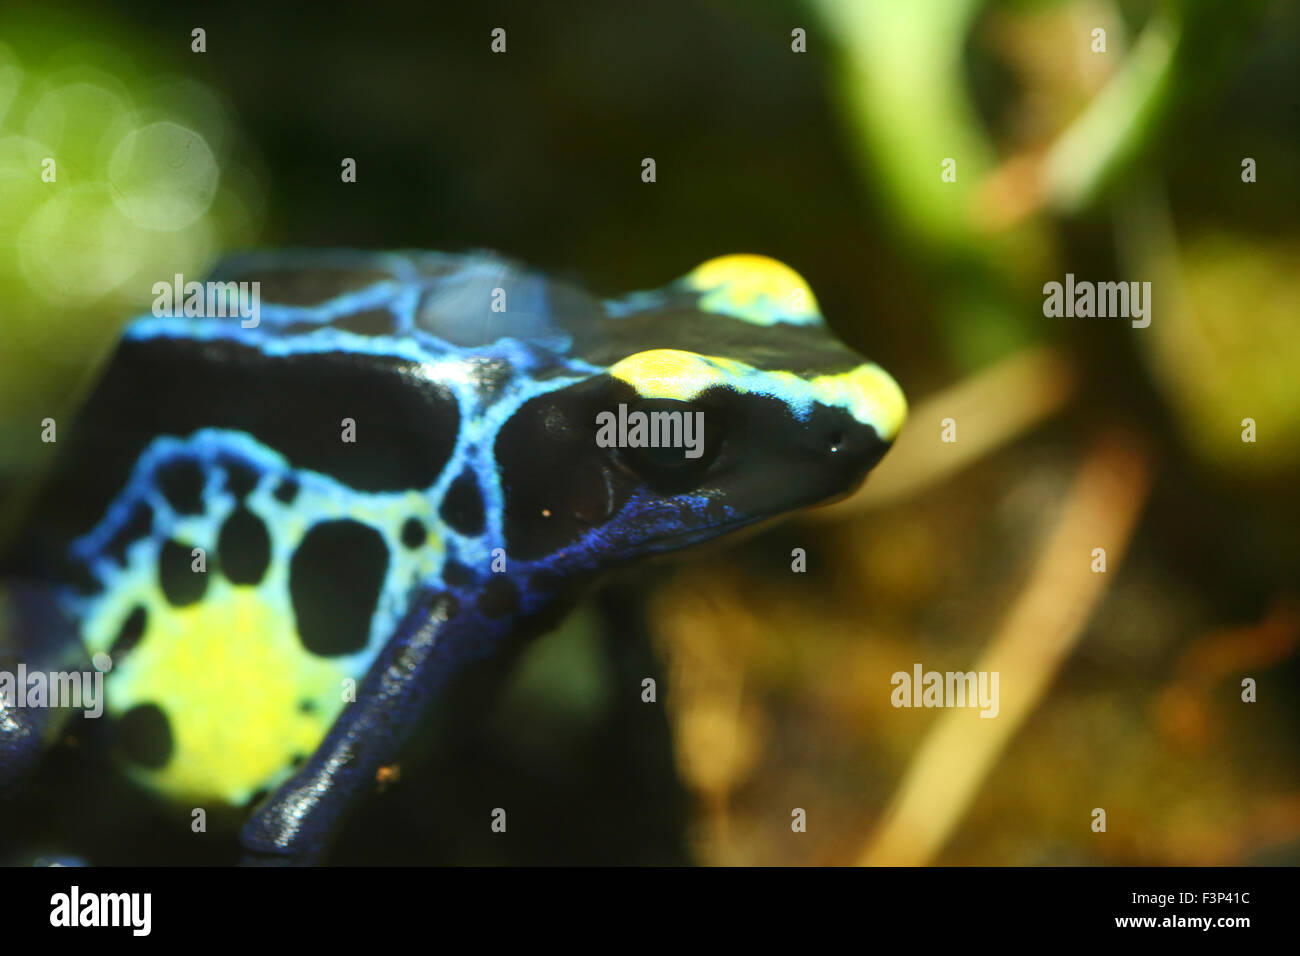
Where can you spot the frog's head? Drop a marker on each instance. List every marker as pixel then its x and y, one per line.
pixel 732 369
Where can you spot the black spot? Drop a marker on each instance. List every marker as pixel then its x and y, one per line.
pixel 128 636
pixel 335 578
pixel 286 491
pixel 499 596
pixel 145 736
pixel 369 322
pixel 257 797
pixel 181 482
pixel 458 575
pixel 307 706
pixel 180 584
pixel 413 533
pixel 462 508
pixel 244 547
pixel 240 479
pixel 297 760
pixel 138 525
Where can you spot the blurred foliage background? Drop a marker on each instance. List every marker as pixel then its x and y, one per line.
pixel 1120 690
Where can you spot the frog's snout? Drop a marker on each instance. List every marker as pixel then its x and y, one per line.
pixel 846 450
pixel 858 414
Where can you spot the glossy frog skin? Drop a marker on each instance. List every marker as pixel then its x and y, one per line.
pixel 210 526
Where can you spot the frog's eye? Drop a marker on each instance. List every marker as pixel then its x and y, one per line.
pixel 669 444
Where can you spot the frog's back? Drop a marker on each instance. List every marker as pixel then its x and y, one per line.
pixel 246 501
pixel 395 341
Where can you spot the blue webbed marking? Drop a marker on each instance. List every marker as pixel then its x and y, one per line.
pixel 319 498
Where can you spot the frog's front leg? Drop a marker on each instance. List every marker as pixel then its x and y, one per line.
pixel 296 822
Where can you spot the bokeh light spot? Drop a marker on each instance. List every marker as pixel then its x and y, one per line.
pixel 165 176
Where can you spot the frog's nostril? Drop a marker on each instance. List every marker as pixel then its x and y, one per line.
pixel 855 450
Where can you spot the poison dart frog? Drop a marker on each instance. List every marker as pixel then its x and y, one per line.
pixel 280 539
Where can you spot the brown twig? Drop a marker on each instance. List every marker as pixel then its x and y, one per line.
pixel 1100 510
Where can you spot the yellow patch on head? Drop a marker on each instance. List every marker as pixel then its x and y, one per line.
pixel 755 289
pixel 230 675
pixel 673 373
pixel 867 392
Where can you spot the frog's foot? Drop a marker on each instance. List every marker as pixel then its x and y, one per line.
pixel 294 825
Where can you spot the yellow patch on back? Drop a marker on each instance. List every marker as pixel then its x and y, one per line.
pixel 230 674
pixel 755 289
